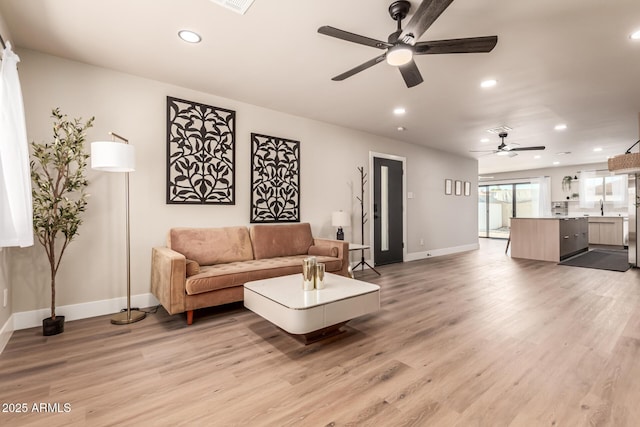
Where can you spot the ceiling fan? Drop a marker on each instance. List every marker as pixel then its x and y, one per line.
pixel 401 45
pixel 508 150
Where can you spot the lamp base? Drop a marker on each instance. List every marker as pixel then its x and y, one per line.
pixel 124 317
pixel 340 235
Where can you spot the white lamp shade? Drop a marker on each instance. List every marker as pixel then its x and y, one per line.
pixel 110 156
pixel 340 219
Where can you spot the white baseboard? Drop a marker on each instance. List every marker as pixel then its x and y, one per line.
pixel 5 333
pixel 415 256
pixel 31 319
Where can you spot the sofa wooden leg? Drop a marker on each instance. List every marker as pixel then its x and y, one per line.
pixel 189 317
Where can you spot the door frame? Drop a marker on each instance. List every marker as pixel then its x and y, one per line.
pixel 372 155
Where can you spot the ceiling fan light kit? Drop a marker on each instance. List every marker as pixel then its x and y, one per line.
pixel 401 47
pixel 400 54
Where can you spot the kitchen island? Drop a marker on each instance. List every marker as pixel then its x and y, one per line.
pixel 549 238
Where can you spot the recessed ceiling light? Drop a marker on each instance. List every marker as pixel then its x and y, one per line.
pixel 401 128
pixel 399 110
pixel 597 149
pixel 537 156
pixel 560 126
pixel 189 36
pixel 484 140
pixel 489 83
pixel 556 163
pixel 635 36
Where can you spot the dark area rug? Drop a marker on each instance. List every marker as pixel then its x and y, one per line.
pixel 602 259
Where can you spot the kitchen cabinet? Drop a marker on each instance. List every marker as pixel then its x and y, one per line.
pixel 606 230
pixel 574 236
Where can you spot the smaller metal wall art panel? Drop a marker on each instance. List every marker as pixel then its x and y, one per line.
pixel 275 179
pixel 200 153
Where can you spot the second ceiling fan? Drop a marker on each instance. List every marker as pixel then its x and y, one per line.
pixel 508 150
pixel 402 45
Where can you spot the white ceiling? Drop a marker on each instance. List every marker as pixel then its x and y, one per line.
pixel 556 61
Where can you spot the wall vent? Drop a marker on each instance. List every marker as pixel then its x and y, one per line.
pixel 500 129
pixel 238 6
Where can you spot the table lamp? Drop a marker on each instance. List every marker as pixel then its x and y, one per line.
pixel 340 219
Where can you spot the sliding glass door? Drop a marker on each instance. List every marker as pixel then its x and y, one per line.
pixel 497 204
pixel 483 211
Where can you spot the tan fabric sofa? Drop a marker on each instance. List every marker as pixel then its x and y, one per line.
pixel 204 267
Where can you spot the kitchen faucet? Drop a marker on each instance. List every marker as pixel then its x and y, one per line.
pixel 601 208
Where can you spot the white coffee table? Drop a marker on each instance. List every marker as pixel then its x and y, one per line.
pixel 311 315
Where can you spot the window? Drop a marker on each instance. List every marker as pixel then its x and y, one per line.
pixel 610 188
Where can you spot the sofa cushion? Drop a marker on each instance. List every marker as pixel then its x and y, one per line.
pixel 223 276
pixel 192 268
pixel 271 241
pixel 208 246
pixel 331 251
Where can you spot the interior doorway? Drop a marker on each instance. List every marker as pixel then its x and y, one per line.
pixel 388 211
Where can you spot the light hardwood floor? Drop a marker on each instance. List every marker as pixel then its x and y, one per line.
pixel 473 339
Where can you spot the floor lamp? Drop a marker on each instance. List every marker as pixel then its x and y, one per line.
pixel 112 156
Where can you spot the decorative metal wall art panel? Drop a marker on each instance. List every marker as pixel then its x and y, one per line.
pixel 200 153
pixel 275 179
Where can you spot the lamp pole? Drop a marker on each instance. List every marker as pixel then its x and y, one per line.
pixel 126 316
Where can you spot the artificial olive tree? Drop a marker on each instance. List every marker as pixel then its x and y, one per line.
pixel 59 183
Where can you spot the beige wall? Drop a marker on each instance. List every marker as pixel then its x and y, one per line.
pixel 94 267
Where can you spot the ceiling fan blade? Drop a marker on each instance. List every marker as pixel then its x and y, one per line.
pixel 467 45
pixel 354 38
pixel 483 151
pixel 540 147
pixel 359 68
pixel 427 13
pixel 411 74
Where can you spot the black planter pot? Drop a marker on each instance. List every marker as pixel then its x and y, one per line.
pixel 52 326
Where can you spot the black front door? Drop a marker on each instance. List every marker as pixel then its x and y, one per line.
pixel 387 211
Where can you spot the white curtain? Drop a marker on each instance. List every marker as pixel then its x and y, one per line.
pixel 619 190
pixel 541 199
pixel 587 189
pixel 16 210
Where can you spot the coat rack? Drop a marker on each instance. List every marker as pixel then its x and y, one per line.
pixel 363 216
pixel 363 220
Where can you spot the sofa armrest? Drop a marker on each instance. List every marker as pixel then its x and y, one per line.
pixel 343 252
pixel 168 278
